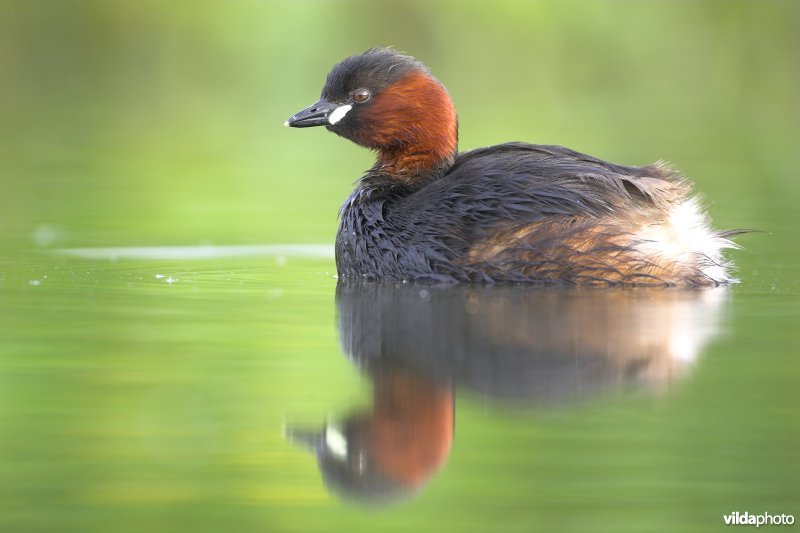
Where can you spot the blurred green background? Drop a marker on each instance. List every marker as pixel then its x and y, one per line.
pixel 128 403
pixel 152 123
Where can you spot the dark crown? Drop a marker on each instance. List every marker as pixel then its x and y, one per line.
pixel 375 69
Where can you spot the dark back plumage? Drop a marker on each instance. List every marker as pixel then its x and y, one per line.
pixel 432 233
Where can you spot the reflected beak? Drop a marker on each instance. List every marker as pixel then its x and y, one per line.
pixel 317 114
pixel 312 441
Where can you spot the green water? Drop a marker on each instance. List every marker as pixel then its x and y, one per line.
pixel 131 403
pixel 173 339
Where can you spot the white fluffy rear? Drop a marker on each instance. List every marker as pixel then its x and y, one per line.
pixel 686 238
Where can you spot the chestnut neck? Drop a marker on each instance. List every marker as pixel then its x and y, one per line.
pixel 410 164
pixel 417 137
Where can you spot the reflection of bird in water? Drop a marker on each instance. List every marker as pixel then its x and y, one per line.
pixel 394 449
pixel 515 344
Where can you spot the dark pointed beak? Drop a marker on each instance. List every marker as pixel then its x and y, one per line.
pixel 314 115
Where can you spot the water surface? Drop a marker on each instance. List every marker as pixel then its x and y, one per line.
pixel 256 393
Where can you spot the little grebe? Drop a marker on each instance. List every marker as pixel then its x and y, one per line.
pixel 512 212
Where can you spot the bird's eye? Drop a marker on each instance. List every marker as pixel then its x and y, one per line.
pixel 361 95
